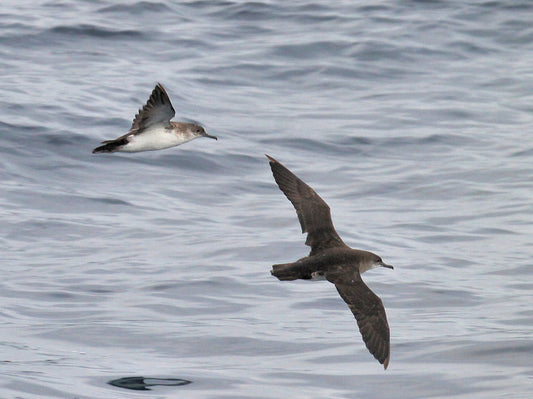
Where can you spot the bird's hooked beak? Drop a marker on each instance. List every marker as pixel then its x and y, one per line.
pixel 387 266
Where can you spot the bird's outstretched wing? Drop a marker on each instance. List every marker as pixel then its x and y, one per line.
pixel 368 311
pixel 158 110
pixel 313 212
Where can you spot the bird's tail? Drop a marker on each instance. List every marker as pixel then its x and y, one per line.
pixel 290 271
pixel 110 146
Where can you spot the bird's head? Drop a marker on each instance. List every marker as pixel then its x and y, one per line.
pixel 370 260
pixel 199 131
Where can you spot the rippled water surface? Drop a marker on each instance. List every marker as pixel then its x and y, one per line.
pixel 412 119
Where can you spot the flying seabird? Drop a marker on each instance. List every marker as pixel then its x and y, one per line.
pixel 332 259
pixel 152 129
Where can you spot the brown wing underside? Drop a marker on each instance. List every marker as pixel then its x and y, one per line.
pixel 368 311
pixel 313 212
pixel 158 110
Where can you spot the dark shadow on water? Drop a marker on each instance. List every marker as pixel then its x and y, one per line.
pixel 143 383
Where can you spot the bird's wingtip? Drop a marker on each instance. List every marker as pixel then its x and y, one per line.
pixel 270 159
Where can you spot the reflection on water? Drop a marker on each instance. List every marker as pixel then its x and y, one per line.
pixel 144 384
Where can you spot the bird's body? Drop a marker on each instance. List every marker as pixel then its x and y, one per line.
pixel 153 138
pixel 152 129
pixel 333 260
pixel 326 261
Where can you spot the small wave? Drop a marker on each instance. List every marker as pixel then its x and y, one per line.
pixel 317 49
pixel 431 139
pixel 95 31
pixel 248 11
pixel 523 153
pixel 110 201
pixel 316 147
pixel 136 8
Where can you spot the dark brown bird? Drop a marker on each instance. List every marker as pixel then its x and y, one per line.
pixel 332 259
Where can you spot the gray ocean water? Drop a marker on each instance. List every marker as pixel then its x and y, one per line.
pixel 412 119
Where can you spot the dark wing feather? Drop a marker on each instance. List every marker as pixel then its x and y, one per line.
pixel 368 311
pixel 313 212
pixel 158 110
